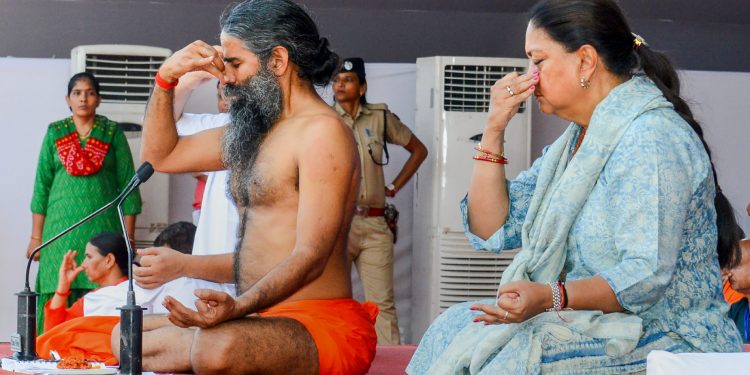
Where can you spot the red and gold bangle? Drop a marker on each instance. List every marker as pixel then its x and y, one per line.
pixel 479 148
pixel 484 157
pixel 161 82
pixel 62 294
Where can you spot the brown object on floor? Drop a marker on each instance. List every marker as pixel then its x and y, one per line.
pixel 74 362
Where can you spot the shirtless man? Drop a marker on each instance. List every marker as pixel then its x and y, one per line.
pixel 294 176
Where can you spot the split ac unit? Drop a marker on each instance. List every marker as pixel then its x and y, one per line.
pixel 452 102
pixel 126 73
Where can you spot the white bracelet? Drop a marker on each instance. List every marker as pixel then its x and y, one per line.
pixel 556 297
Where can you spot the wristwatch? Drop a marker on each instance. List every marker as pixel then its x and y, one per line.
pixel 391 187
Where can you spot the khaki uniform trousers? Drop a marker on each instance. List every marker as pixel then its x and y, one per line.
pixel 371 250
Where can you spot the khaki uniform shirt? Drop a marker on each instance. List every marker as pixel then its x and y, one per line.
pixel 367 126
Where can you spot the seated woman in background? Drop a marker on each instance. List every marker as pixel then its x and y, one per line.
pixel 739 278
pixel 105 263
pixel 84 329
pixel 616 221
pixel 728 248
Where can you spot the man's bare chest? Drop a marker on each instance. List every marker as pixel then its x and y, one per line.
pixel 273 179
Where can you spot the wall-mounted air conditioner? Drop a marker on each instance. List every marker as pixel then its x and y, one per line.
pixel 452 102
pixel 126 74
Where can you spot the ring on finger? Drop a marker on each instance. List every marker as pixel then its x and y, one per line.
pixel 510 91
pixel 506 316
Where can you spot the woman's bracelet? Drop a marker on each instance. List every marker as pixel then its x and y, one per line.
pixel 479 148
pixel 36 238
pixel 557 302
pixel 491 159
pixel 63 294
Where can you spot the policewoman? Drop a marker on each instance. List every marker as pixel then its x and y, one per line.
pixel 370 238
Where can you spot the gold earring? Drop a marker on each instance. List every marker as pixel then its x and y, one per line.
pixel 585 83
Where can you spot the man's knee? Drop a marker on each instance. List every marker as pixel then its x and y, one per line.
pixel 212 354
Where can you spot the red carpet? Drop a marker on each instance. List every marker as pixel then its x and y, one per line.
pixel 389 360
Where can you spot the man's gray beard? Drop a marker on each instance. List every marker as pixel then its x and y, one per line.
pixel 255 106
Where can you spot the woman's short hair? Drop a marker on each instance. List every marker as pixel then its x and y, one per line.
pixel 178 236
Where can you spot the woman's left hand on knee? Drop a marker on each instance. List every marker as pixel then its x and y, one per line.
pixel 516 302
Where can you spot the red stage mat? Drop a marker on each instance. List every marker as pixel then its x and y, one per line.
pixel 389 360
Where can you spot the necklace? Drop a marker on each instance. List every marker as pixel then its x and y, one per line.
pixel 85 135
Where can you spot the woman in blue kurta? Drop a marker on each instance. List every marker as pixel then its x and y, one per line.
pixel 616 220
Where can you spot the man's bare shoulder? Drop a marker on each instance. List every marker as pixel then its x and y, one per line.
pixel 326 127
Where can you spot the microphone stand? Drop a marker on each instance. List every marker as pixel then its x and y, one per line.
pixel 131 317
pixel 23 343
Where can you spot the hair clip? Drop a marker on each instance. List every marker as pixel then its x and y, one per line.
pixel 638 41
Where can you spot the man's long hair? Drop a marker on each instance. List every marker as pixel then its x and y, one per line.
pixel 266 24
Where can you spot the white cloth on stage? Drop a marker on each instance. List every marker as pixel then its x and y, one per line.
pixel 661 362
pixel 106 300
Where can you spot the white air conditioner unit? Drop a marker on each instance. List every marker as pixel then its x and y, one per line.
pixel 452 102
pixel 126 74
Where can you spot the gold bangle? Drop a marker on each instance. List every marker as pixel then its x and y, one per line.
pixel 36 238
pixel 63 294
pixel 479 148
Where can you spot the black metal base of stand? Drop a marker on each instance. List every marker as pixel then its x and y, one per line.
pixel 23 344
pixel 131 336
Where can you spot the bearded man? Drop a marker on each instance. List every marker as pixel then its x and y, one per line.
pixel 294 175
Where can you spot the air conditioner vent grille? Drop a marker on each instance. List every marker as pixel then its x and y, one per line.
pixel 124 78
pixel 467 87
pixel 470 275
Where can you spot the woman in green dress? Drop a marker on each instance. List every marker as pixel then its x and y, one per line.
pixel 84 163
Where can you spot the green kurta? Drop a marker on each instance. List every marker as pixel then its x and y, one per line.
pixel 64 199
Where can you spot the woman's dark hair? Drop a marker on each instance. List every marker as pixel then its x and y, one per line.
pixel 362 81
pixel 83 76
pixel 728 247
pixel 112 243
pixel 266 24
pixel 601 24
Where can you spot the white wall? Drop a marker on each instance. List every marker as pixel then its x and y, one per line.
pixel 720 104
pixel 32 97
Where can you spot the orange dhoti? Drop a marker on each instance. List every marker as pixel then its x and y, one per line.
pixel 343 331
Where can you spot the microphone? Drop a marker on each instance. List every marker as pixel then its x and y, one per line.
pixel 131 315
pixel 23 343
pixel 142 175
